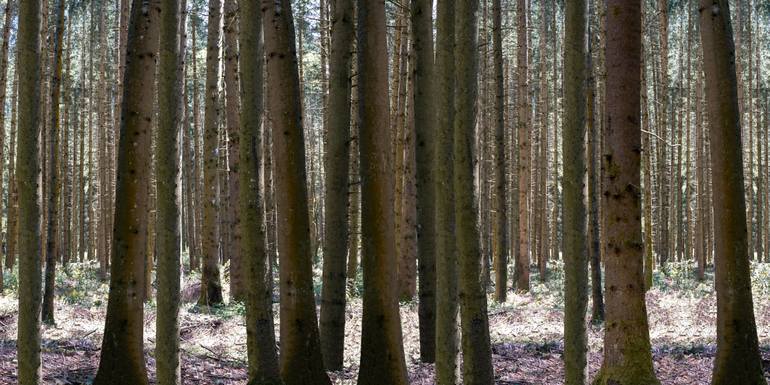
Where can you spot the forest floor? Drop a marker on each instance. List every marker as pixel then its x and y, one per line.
pixel 526 332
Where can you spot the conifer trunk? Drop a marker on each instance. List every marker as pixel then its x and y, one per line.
pixel 737 359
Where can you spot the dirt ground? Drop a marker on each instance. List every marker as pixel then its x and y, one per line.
pixel 525 332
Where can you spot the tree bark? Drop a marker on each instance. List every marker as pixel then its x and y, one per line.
pixel 382 352
pixel 232 106
pixel 574 153
pixel 300 347
pixel 54 187
pixel 260 335
pixel 737 359
pixel 211 286
pixel 168 189
pixel 627 355
pixel 446 259
pixel 521 271
pixel 477 351
pixel 337 159
pixel 423 72
pixel 28 340
pixel 500 247
pixel 122 359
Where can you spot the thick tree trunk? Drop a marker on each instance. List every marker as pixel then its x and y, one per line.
pixel 737 359
pixel 301 361
pixel 28 339
pixel 477 351
pixel 574 159
pixel 446 260
pixel 382 352
pixel 627 355
pixel 260 335
pixel 122 359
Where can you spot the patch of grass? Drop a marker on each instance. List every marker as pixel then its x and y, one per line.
pixel 11 279
pixel 79 284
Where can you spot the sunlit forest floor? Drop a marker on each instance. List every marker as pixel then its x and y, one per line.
pixel 525 331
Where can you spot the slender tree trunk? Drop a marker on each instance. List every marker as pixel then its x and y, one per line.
pixel 664 171
pixel 649 258
pixel 423 72
pixel 12 234
pixel 232 106
pixel 737 359
pixel 3 81
pixel 196 254
pixel 122 359
pixel 700 164
pixel 54 188
pixel 337 160
pixel 500 248
pixel 211 286
pixel 168 186
pixel 521 270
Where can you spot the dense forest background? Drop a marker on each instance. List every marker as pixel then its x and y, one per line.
pixel 246 188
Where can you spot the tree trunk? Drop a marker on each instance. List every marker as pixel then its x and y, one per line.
pixel 211 286
pixel 477 351
pixel 122 359
pixel 521 271
pixel 382 352
pixel 423 72
pixel 3 81
pixel 337 160
pixel 168 189
pixel 737 359
pixel 12 233
pixel 300 347
pixel 232 106
pixel 54 188
pixel 260 335
pixel 594 184
pixel 28 340
pixel 663 167
pixel 627 355
pixel 446 260
pixel 575 248
pixel 500 247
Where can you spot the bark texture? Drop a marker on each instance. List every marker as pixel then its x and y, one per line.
pixel 122 359
pixel 382 352
pixel 627 350
pixel 337 159
pixel 737 360
pixel 301 362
